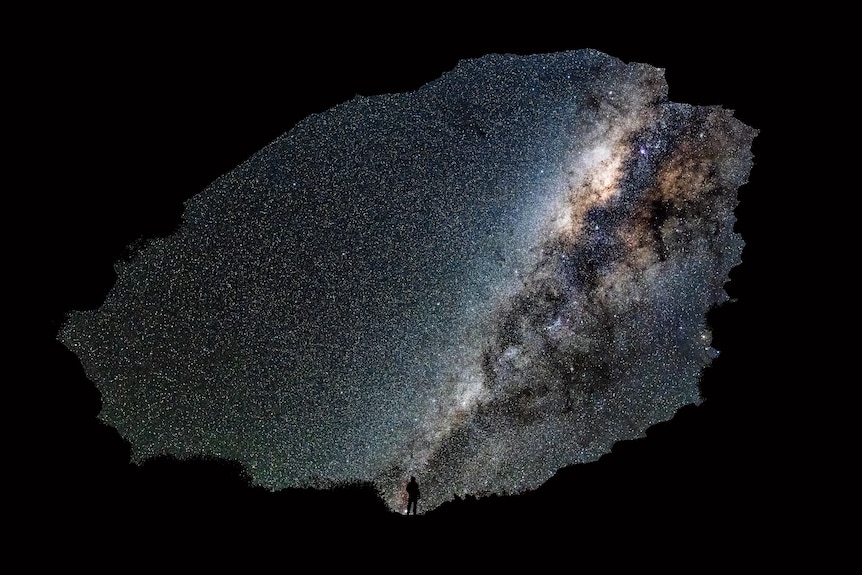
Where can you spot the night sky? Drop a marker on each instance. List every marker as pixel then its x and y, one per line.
pixel 477 281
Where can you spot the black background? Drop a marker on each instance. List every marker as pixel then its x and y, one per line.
pixel 118 120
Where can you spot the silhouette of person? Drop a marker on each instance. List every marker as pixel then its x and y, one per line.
pixel 413 495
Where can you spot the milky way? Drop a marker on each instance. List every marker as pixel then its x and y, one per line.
pixel 497 275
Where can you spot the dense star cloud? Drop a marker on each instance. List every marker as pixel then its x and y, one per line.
pixel 499 274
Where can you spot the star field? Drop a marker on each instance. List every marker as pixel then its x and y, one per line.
pixel 499 274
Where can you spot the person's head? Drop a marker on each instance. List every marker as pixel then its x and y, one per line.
pixel 412 478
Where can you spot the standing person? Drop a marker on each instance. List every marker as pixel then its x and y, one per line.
pixel 412 495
